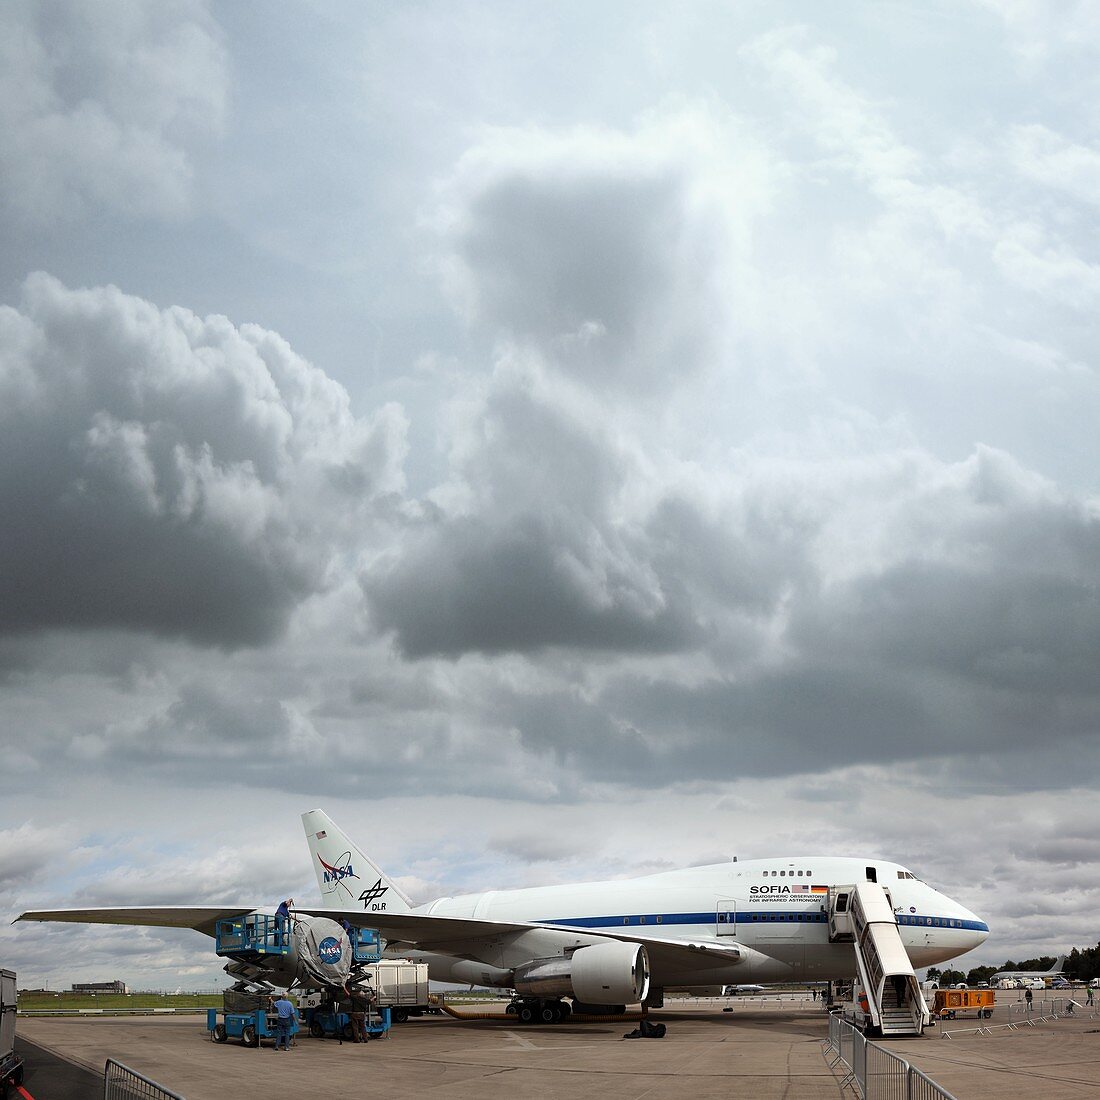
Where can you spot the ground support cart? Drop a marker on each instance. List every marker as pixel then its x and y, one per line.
pixel 249 1027
pixel 950 1003
pixel 325 1024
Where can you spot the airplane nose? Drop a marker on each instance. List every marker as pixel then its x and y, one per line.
pixel 976 929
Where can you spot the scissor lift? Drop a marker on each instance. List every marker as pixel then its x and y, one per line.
pixel 366 945
pixel 251 937
pixel 249 1027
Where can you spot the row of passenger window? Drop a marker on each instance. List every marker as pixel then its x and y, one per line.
pixel 935 922
pixel 793 874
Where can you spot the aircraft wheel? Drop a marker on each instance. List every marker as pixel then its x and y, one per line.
pixel 316 1029
pixel 220 1034
pixel 249 1036
pixel 526 1014
pixel 547 1014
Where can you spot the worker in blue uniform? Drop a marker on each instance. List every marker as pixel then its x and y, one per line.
pixel 287 1014
pixel 282 919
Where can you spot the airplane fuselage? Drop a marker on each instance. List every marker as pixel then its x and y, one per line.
pixel 776 907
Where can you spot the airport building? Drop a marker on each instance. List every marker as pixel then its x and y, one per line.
pixel 100 987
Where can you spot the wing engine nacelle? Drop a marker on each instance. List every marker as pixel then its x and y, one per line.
pixel 605 973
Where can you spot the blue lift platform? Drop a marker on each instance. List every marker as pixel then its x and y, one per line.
pixel 366 945
pixel 249 1027
pixel 252 936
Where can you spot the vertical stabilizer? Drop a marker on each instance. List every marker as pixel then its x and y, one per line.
pixel 348 879
pixel 1058 964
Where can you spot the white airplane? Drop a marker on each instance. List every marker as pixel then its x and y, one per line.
pixel 606 943
pixel 1029 975
pixel 601 944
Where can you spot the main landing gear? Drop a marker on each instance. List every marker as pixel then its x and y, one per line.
pixel 531 1010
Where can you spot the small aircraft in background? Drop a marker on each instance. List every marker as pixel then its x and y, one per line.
pixel 1028 976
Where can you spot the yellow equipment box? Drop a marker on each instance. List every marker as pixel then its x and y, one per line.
pixel 949 1002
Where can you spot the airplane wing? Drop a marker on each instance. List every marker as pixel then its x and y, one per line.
pixel 463 936
pixel 201 918
pixel 460 936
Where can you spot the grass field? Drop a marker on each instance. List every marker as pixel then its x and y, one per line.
pixel 73 1002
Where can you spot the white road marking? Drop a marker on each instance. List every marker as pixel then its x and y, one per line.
pixel 521 1039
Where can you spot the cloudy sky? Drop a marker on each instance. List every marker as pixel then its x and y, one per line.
pixel 561 442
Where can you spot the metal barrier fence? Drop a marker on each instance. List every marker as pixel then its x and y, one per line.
pixel 922 1087
pixel 123 1083
pixel 886 1074
pixel 875 1072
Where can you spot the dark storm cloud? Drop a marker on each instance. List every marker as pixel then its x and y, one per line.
pixel 602 252
pixel 990 599
pixel 973 627
pixel 595 268
pixel 558 544
pixel 473 587
pixel 169 473
pixel 540 560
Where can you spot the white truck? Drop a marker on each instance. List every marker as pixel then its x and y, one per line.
pixel 403 985
pixel 11 1065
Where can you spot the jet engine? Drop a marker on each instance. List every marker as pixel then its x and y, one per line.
pixel 605 973
pixel 319 955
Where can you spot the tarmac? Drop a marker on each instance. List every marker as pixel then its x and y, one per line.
pixel 767 1047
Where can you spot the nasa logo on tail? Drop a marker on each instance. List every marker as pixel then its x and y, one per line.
pixel 338 871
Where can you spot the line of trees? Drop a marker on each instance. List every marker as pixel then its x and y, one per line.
pixel 1080 965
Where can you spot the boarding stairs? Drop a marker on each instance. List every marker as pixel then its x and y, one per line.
pixel 863 915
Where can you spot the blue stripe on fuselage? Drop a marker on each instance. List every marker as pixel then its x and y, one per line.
pixel 757 916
